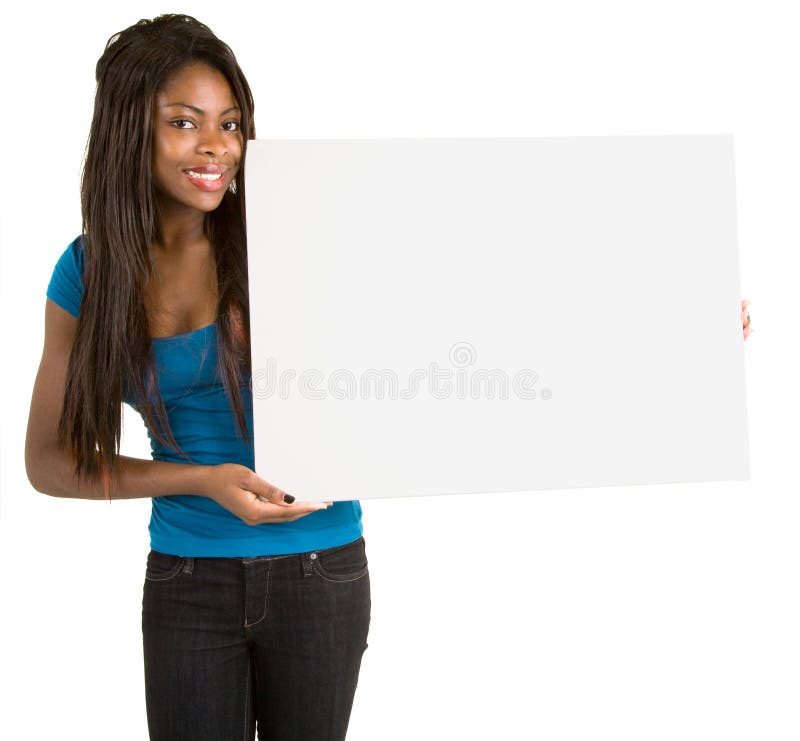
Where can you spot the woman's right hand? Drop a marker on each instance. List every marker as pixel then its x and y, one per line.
pixel 239 490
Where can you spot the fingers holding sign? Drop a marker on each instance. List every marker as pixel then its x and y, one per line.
pixel 746 328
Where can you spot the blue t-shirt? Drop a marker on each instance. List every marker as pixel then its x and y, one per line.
pixel 205 428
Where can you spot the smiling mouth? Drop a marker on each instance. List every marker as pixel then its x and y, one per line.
pixel 209 176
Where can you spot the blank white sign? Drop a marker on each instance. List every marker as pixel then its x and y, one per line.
pixel 444 316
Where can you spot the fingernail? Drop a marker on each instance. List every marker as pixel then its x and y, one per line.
pixel 288 498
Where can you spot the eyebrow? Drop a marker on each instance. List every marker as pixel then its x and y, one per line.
pixel 200 111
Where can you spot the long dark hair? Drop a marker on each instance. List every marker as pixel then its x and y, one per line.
pixel 112 353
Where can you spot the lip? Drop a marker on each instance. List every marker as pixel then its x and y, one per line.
pixel 204 184
pixel 208 169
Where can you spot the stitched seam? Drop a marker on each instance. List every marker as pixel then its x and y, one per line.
pixel 171 575
pixel 266 598
pixel 326 577
pixel 245 734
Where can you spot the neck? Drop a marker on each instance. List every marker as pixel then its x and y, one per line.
pixel 181 229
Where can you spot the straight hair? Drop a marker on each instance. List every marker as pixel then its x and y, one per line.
pixel 112 357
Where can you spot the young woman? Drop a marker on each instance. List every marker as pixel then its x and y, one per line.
pixel 255 609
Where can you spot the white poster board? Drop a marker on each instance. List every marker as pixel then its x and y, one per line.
pixel 443 316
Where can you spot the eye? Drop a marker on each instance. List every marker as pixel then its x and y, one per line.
pixel 182 123
pixel 231 126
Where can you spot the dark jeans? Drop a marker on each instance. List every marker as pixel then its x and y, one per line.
pixel 273 639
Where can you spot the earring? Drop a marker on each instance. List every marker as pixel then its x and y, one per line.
pixel 232 187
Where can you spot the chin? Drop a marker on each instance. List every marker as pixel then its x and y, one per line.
pixel 210 202
pixel 208 208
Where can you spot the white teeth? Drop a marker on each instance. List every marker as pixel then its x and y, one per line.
pixel 203 175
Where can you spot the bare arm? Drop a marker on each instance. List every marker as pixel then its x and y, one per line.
pixel 50 469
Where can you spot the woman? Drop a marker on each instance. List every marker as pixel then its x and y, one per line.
pixel 255 608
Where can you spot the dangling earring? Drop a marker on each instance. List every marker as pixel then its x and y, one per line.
pixel 232 187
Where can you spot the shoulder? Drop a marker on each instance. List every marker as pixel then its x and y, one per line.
pixel 66 281
pixel 74 254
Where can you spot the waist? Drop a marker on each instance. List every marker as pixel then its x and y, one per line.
pixel 189 525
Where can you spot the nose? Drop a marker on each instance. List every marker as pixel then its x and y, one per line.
pixel 211 141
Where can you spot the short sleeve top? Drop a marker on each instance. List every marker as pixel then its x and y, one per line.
pixel 203 423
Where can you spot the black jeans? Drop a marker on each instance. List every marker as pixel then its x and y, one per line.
pixel 272 639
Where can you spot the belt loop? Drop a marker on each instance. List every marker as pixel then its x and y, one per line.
pixel 188 565
pixel 308 563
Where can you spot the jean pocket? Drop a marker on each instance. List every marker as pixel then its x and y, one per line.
pixel 162 566
pixel 343 563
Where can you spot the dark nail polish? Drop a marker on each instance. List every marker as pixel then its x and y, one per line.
pixel 288 498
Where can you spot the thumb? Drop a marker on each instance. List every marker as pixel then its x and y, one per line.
pixel 267 492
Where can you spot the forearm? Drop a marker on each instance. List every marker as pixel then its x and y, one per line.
pixel 133 478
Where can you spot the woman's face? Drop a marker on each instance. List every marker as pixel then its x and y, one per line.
pixel 197 140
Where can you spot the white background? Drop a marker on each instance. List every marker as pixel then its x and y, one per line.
pixel 658 612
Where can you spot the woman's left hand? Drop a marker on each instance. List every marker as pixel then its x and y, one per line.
pixel 746 319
